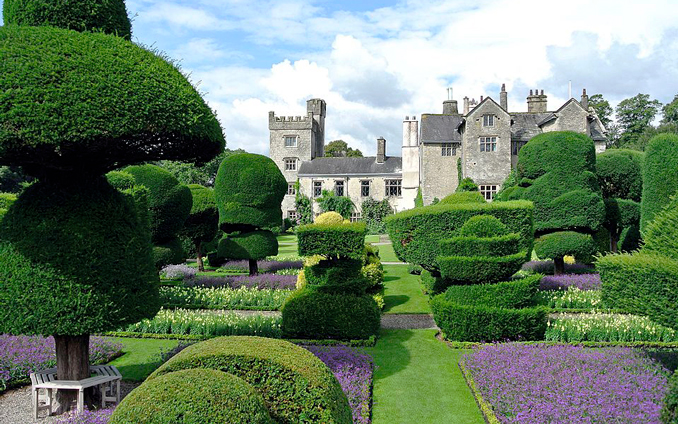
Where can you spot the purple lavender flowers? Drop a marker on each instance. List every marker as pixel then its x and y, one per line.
pixel 563 383
pixel 100 416
pixel 563 282
pixel 264 266
pixel 261 281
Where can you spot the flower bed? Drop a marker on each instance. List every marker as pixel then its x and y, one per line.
pixel 572 298
pixel 22 355
pixel 562 383
pixel 222 298
pixel 99 416
pixel 208 323
pixel 565 281
pixel 354 372
pixel 546 267
pixel 262 281
pixel 602 327
pixel 266 266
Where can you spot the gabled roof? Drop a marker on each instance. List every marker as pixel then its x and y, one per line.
pixel 572 100
pixel 527 125
pixel 351 167
pixel 550 117
pixel 440 128
pixel 485 100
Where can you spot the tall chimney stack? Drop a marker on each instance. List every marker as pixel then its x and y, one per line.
pixel 450 107
pixel 381 150
pixel 536 103
pixel 466 106
pixel 585 100
pixel 503 98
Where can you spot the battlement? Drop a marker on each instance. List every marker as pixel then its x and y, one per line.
pixel 276 122
pixel 291 118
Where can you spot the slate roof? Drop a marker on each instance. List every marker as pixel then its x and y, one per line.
pixel 597 132
pixel 440 128
pixel 526 125
pixel 350 166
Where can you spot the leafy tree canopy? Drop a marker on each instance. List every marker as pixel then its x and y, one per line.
pixel 329 201
pixel 339 148
pixel 190 173
pixel 602 108
pixel 634 116
pixel 670 112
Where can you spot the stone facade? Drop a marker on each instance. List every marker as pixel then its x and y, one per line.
pixel 485 139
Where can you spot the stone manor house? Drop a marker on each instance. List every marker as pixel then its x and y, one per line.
pixel 484 138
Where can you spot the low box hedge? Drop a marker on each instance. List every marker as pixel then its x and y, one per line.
pixel 508 294
pixel 332 240
pixel 297 387
pixel 343 276
pixel 480 269
pixel 480 246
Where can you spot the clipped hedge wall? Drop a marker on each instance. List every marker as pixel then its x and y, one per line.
pixel 193 396
pixel 481 323
pixel 342 276
pixel 120 180
pixel 108 16
pixel 480 246
pixel 111 104
pixel 463 197
pixel 562 243
pixel 643 284
pixel 251 245
pixel 341 240
pixel 296 386
pixel 509 294
pixel 416 233
pixel 309 314
pixel 670 408
pixel 660 179
pixel 479 269
pixel 661 234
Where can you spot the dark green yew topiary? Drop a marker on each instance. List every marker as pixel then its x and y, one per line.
pixel 201 226
pixel 120 180
pixel 619 173
pixel 483 226
pixel 251 245
pixel 464 197
pixel 169 252
pixel 660 179
pixel 661 234
pixel 566 243
pixel 71 268
pixel 90 103
pixel 109 16
pixel 193 396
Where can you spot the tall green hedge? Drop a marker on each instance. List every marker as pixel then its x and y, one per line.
pixel 564 243
pixel 201 226
pixel 660 179
pixel 193 396
pixel 91 102
pixel 76 260
pixel 108 16
pixel 333 240
pixel 661 234
pixel 619 173
pixel 296 386
pixel 464 197
pixel 416 233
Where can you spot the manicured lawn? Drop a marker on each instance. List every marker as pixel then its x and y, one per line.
pixel 141 356
pixel 287 238
pixel 387 254
pixel 402 292
pixel 373 238
pixel 417 380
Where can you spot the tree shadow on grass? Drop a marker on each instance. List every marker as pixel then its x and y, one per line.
pixel 388 278
pixel 392 301
pixel 390 353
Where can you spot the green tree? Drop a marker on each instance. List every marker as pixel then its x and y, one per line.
pixel 602 108
pixel 374 212
pixel 13 179
pixel 76 253
pixel 339 148
pixel 302 204
pixel 670 112
pixel 249 190
pixel 634 116
pixel 190 173
pixel 330 202
pixel 203 222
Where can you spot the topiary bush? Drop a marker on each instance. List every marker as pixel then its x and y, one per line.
pixel 477 246
pixel 509 294
pixel 83 114
pixel 661 234
pixel 467 184
pixel 483 226
pixel 121 180
pixel 312 314
pixel 464 197
pixel 170 252
pixel 563 243
pixel 193 396
pixel 202 223
pixel 346 240
pixel 329 218
pixel 336 277
pixel 108 16
pixel 6 200
pixel 660 180
pixel 254 244
pixel 295 385
pixel 479 269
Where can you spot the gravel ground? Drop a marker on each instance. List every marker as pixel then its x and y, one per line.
pixel 16 405
pixel 407 321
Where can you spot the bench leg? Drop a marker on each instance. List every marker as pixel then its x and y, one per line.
pixel 49 402
pixel 81 400
pixel 117 393
pixel 35 403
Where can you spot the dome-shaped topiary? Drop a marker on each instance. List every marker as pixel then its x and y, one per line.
pixel 169 201
pixel 463 197
pixel 193 396
pixel 329 218
pixel 109 16
pixel 79 261
pixel 120 180
pixel 250 245
pixel 483 226
pixel 562 243
pixel 296 386
pixel 249 189
pixel 90 103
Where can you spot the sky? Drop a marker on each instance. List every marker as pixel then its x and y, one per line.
pixel 374 62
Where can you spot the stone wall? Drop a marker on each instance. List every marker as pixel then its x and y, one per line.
pixel 438 172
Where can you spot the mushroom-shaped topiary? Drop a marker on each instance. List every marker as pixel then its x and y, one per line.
pixel 202 224
pixel 248 190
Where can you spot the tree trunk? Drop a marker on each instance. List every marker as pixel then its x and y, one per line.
pixel 254 267
pixel 559 265
pixel 201 266
pixel 614 241
pixel 72 354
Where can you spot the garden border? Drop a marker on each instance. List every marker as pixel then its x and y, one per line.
pixel 485 407
pixel 369 342
pixel 659 345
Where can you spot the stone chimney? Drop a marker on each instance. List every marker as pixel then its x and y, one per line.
pixel 450 107
pixel 503 98
pixel 381 150
pixel 410 132
pixel 466 106
pixel 536 103
pixel 584 100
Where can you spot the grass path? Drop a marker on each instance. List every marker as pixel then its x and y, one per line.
pixel 417 380
pixel 140 356
pixel 402 292
pixel 386 253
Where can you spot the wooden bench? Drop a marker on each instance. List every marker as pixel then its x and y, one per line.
pixel 106 378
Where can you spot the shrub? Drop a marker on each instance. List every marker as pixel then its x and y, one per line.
pixel 329 201
pixel 374 274
pixel 296 386
pixel 562 243
pixel 478 323
pixel 373 214
pixel 479 269
pixel 416 233
pixel 661 234
pixel 483 226
pixel 329 218
pixel 433 284
pixel 670 407
pixel 121 180
pixel 619 173
pixel 660 181
pixel 170 252
pixel 467 184
pixel 108 16
pixel 414 269
pixel 111 104
pixel 249 245
pixel 464 197
pixel 342 276
pixel 193 395
pixel 202 223
pixel 480 246
pixel 347 240
pixel 642 283
pixel 311 314
pixel 510 294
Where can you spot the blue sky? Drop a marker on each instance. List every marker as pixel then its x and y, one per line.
pixel 376 61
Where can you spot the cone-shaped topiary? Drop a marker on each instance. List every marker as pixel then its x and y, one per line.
pixel 660 179
pixel 193 396
pixel 108 16
pixel 202 224
pixel 249 190
pixel 90 103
